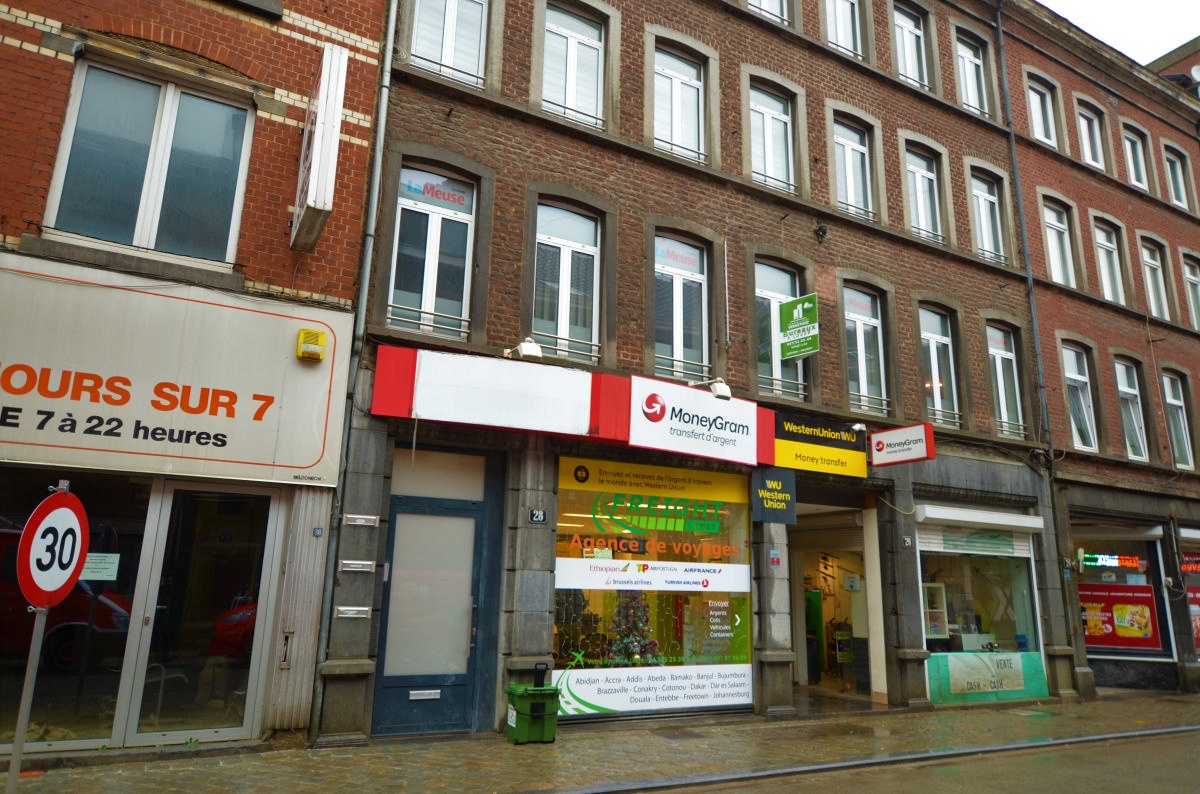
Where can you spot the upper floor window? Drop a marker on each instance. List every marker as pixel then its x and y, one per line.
pixel 972 75
pixel 1177 178
pixel 1006 389
pixel 1043 101
pixel 865 351
pixel 573 66
pixel 852 164
pixel 912 59
pixel 1177 420
pixel 1133 422
pixel 1152 274
pixel 1091 136
pixel 680 309
pixel 985 209
pixel 1059 248
pixel 774 285
pixel 771 139
pixel 1134 143
pixel 772 9
pixel 1108 262
pixel 937 360
pixel 152 165
pixel 843 18
pixel 1079 399
pixel 566 280
pixel 924 202
pixel 432 259
pixel 1191 283
pixel 449 37
pixel 679 104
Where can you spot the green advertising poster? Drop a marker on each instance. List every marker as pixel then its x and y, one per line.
pixel 798 330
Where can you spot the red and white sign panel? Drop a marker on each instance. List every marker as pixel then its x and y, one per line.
pixel 52 550
pixel 902 445
pixel 691 420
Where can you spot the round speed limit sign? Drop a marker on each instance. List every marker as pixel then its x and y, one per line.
pixel 53 547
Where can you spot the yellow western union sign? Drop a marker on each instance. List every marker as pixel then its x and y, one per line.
pixel 817 457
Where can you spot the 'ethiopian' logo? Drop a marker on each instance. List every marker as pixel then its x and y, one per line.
pixel 654 408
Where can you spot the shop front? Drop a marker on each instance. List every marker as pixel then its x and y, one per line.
pixel 203 464
pixel 1189 566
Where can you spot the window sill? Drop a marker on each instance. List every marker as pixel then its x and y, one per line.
pixel 271 9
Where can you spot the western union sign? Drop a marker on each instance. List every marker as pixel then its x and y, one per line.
pixel 812 444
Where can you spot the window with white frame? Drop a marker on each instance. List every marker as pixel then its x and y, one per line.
pixel 449 38
pixel 432 256
pixel 573 66
pixel 937 361
pixel 865 351
pixel 912 60
pixel 1079 399
pixel 774 285
pixel 1060 259
pixel 1133 424
pixel 1091 136
pixel 1042 100
pixel 772 9
pixel 1134 143
pixel 151 164
pixel 771 137
pixel 972 75
pixel 924 205
pixel 1177 420
pixel 1152 274
pixel 852 166
pixel 843 19
pixel 1191 283
pixel 1006 394
pixel 1108 262
pixel 1177 178
pixel 680 309
pixel 566 280
pixel 679 104
pixel 985 207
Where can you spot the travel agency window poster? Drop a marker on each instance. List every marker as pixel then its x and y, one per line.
pixel 652 589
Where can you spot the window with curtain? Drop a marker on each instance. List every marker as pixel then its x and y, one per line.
pixel 865 367
pixel 680 309
pixel 771 137
pixel 566 277
pixel 774 285
pixel 573 66
pixel 449 38
pixel 1006 391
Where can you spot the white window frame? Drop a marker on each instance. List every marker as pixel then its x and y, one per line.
pixel 1191 284
pixel 843 19
pixel 1091 137
pixel 1042 112
pixel 1129 399
pixel 772 138
pixel 989 224
pixel 561 342
pixel 1108 263
pixel 1152 275
pixel 912 55
pixel 675 365
pixel 1177 176
pixel 1134 143
pixel 448 61
pixel 1002 353
pixel 853 169
pixel 776 10
pixel 1177 421
pixel 941 385
pixel 858 325
pixel 157 168
pixel 970 57
pixel 786 378
pixel 1079 399
pixel 574 68
pixel 924 199
pixel 673 124
pixel 1060 256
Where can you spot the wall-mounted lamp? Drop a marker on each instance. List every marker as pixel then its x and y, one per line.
pixel 858 427
pixel 820 232
pixel 717 386
pixel 527 349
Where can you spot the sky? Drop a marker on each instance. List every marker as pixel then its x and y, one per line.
pixel 1141 29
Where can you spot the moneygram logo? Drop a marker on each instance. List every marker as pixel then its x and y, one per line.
pixel 654 408
pixel 879 446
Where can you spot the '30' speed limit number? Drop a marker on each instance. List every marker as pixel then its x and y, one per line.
pixel 53 548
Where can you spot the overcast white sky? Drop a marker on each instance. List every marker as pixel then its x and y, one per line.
pixel 1142 29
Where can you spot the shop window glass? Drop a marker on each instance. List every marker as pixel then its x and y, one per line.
pixel 977 603
pixel 1118 597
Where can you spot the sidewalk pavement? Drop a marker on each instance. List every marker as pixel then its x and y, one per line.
pixel 634 755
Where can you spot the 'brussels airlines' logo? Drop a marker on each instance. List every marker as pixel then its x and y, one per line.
pixel 654 408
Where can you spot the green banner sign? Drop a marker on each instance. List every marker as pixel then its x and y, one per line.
pixel 798 331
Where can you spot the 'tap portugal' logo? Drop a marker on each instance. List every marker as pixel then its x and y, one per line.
pixel 654 408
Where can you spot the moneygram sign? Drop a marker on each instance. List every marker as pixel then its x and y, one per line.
pixel 902 445
pixel 692 421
